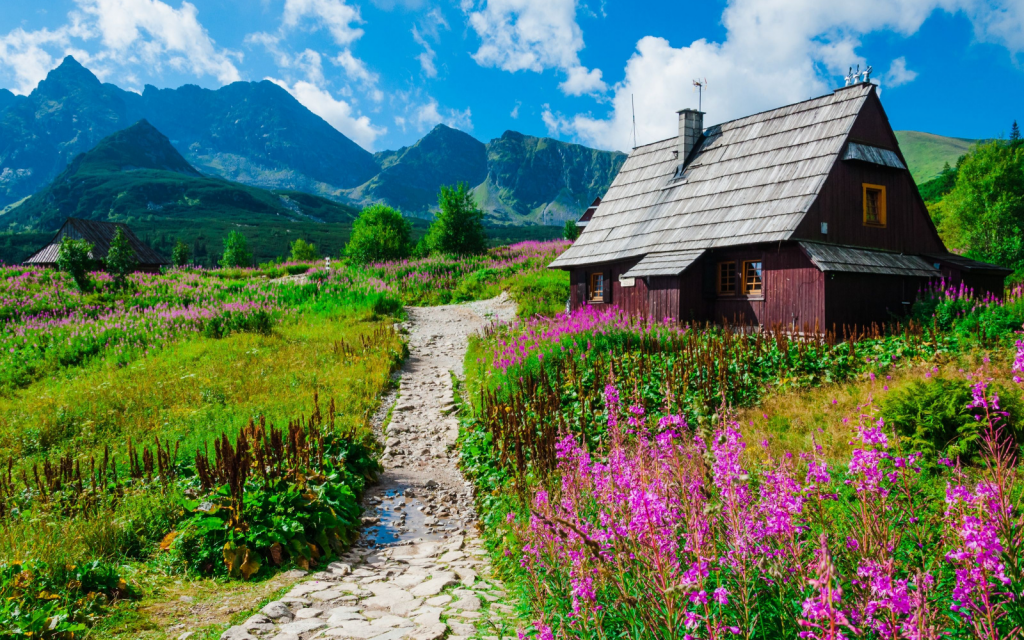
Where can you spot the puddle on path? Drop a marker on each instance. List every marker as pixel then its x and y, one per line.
pixel 402 518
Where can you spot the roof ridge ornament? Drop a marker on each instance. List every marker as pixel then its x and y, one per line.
pixel 865 76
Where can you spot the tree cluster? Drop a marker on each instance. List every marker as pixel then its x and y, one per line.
pixel 382 233
pixel 983 213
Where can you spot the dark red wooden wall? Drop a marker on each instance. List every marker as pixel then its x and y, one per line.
pixel 909 228
pixel 862 298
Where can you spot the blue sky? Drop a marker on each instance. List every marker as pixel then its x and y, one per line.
pixel 385 71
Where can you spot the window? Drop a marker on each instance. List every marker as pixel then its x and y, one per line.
pixel 752 277
pixel 597 287
pixel 874 205
pixel 727 278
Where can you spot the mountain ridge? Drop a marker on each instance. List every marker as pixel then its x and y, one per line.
pixel 137 177
pixel 256 133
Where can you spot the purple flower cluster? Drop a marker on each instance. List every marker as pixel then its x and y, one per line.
pixel 715 547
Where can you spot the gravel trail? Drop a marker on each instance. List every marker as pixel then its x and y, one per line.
pixel 418 571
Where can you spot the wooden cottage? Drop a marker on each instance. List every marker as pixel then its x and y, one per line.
pixel 804 216
pixel 99 235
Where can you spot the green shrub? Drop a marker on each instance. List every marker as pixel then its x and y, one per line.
pixel 303 251
pixel 236 251
pixel 181 255
pixel 459 226
pixel 933 416
pixel 120 258
pixel 39 601
pixel 75 257
pixel 380 233
pixel 570 231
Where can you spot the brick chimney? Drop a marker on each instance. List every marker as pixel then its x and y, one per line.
pixel 691 126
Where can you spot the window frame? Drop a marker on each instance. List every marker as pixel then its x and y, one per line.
pixel 718 278
pixel 747 290
pixel 882 214
pixel 591 278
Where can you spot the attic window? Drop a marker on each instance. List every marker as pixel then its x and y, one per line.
pixel 874 205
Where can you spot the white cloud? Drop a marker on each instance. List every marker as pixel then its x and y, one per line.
pixel 338 113
pixel 581 82
pixel 429 30
pixel 898 73
pixel 428 115
pixel 775 52
pixel 130 33
pixel 422 114
pixel 533 35
pixel 354 68
pixel 515 110
pixel 25 54
pixel 153 33
pixel 427 57
pixel 335 15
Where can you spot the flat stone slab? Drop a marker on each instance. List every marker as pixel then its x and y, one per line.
pixel 303 626
pixel 434 586
pixel 467 603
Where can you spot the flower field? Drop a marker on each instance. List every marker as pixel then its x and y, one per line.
pixel 48 324
pixel 165 427
pixel 624 498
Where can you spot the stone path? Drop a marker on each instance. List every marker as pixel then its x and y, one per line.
pixel 418 571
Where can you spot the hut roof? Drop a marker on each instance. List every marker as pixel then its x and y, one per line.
pixel 749 180
pixel 99 234
pixel 834 257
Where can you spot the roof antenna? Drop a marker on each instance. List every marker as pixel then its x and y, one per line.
pixel 700 91
pixel 633 106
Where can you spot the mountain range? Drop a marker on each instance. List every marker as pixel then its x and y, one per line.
pixel 137 177
pixel 256 133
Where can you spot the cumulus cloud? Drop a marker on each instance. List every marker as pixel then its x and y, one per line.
pixel 338 113
pixel 515 110
pixel 130 33
pixel 898 73
pixel 314 91
pixel 27 55
pixel 334 15
pixel 154 33
pixel 775 52
pixel 533 35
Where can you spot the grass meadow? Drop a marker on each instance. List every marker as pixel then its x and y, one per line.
pixel 112 401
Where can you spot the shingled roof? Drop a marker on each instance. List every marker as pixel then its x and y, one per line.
pixel 750 180
pixel 99 234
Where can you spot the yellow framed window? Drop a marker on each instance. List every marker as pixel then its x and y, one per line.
pixel 874 205
pixel 752 277
pixel 597 287
pixel 727 278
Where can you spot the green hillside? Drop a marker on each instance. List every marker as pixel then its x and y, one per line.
pixel 135 176
pixel 927 153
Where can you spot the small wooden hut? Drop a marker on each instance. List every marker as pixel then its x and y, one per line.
pixel 99 235
pixel 803 216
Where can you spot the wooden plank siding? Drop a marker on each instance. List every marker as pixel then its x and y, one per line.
pixel 840 203
pixel 858 299
pixel 795 289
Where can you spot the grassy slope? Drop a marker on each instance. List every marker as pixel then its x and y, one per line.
pixel 927 153
pixel 188 394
